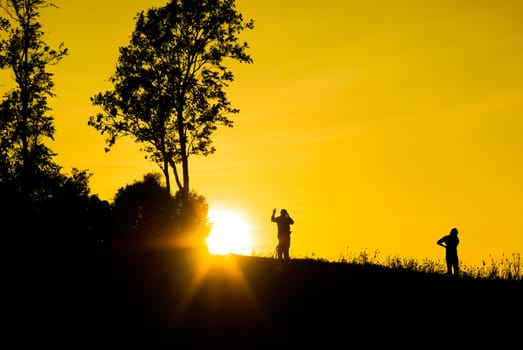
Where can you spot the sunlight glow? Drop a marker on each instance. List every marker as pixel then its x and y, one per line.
pixel 230 233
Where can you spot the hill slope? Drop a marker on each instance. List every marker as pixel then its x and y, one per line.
pixel 161 299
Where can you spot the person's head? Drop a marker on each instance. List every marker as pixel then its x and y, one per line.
pixel 283 212
pixel 454 231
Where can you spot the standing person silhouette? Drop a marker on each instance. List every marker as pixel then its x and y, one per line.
pixel 284 222
pixel 450 243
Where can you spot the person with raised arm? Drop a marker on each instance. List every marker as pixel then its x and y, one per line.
pixel 284 222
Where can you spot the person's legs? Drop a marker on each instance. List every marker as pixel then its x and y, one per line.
pixel 279 250
pixel 286 243
pixel 455 265
pixel 449 267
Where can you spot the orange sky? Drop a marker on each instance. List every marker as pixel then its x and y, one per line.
pixel 379 125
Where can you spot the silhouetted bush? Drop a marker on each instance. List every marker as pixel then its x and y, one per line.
pixel 145 213
pixel 60 215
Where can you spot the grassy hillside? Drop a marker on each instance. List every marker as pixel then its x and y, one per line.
pixel 165 299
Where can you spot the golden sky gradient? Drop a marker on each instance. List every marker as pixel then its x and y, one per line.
pixel 379 125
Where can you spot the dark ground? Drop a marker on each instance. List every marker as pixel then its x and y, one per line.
pixel 161 299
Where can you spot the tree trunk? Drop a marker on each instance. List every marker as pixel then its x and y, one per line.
pixel 165 170
pixel 183 151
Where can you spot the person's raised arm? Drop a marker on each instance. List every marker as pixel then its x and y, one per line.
pixel 273 216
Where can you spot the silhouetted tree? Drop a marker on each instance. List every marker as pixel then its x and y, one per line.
pixel 38 203
pixel 192 224
pixel 169 82
pixel 145 213
pixel 25 126
pixel 71 217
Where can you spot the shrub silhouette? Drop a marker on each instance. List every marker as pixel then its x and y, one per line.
pixel 145 212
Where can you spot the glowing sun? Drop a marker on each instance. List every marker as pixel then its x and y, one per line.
pixel 230 233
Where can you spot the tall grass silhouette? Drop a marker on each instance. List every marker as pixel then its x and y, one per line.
pixel 507 268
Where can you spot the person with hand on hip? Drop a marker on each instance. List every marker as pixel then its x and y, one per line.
pixel 450 243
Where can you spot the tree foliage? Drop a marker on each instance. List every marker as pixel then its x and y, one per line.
pixel 145 213
pixel 38 203
pixel 169 85
pixel 25 124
